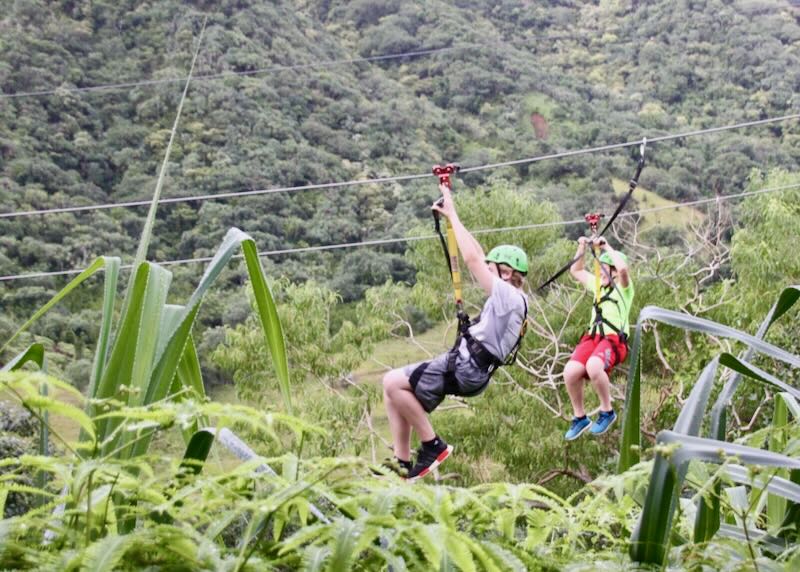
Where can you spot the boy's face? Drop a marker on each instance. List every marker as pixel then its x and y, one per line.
pixel 606 272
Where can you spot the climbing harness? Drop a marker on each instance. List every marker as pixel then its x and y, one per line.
pixel 600 297
pixel 482 357
pixel 634 182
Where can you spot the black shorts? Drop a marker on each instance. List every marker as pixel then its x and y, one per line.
pixel 430 381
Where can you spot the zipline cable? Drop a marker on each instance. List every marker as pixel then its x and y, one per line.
pixel 650 140
pixel 383 241
pixel 401 178
pixel 594 221
pixel 233 74
pixel 273 69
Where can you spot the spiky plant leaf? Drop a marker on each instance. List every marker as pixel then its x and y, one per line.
pixel 457 549
pixel 110 263
pixel 316 533
pixel 630 426
pixel 785 301
pixel 428 537
pixel 773 544
pixel 314 558
pixel 131 357
pixel 708 513
pixel 503 558
pixel 649 541
pixel 774 484
pixel 344 541
pixel 33 353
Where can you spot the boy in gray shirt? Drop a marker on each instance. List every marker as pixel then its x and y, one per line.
pixel 411 392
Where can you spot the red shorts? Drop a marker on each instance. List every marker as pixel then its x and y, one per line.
pixel 609 349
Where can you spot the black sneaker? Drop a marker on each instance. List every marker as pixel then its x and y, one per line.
pixel 428 458
pixel 394 465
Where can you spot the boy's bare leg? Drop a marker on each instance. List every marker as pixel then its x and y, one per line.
pixel 597 373
pixel 404 412
pixel 573 379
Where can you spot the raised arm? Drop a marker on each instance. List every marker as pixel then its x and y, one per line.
pixel 471 250
pixel 577 269
pixel 623 276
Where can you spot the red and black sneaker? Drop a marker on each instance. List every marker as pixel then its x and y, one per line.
pixel 428 458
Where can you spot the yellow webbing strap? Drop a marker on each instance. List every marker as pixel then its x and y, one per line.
pixel 597 279
pixel 452 251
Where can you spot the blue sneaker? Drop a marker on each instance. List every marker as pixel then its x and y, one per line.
pixel 604 422
pixel 577 428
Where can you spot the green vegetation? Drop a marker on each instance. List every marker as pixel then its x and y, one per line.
pixel 225 416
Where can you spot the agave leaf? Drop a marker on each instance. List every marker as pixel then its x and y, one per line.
pixel 693 323
pixel 631 417
pixel 771 543
pixel 147 231
pixel 630 427
pixel 708 515
pixel 177 337
pixel 189 377
pixel 649 541
pixel 662 492
pixel 789 401
pixel 774 484
pixel 197 450
pixel 175 330
pixel 147 292
pixel 189 373
pixel 776 506
pixel 268 314
pixel 740 503
pixel 711 450
pixel 149 336
pixel 104 336
pixel 104 261
pixel 785 301
pixel 33 353
pixel 691 416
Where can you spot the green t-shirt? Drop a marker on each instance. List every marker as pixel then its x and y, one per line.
pixel 616 309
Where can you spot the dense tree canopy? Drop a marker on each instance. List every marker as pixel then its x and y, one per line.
pixel 265 111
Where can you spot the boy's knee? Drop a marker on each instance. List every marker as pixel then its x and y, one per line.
pixel 573 371
pixel 392 381
pixel 595 367
pixel 387 383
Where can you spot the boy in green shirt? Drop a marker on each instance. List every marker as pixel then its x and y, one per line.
pixel 605 344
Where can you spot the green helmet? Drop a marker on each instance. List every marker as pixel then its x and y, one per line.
pixel 605 258
pixel 512 256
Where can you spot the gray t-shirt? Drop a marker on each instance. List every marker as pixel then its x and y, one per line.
pixel 501 319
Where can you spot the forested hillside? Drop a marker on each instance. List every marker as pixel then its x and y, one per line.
pixel 197 410
pixel 266 111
